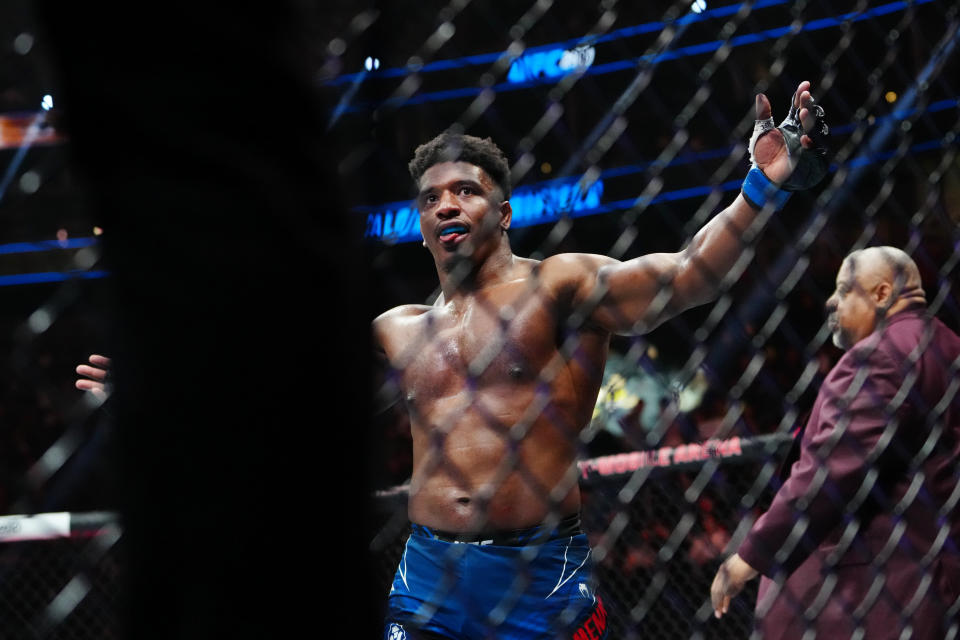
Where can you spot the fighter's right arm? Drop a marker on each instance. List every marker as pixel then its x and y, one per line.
pixel 386 392
pixel 94 376
pixel 396 339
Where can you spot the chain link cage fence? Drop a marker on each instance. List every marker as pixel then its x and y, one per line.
pixel 61 576
pixel 625 127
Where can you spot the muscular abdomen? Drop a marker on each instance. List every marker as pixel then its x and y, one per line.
pixel 480 469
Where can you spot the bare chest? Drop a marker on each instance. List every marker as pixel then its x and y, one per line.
pixel 488 342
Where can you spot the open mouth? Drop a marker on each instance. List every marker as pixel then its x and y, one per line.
pixel 453 233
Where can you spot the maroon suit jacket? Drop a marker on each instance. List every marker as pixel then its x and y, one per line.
pixel 865 531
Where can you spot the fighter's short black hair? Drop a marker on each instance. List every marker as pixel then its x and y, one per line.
pixel 457 147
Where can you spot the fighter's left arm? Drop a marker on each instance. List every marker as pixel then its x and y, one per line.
pixel 635 296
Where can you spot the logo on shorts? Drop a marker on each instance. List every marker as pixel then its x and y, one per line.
pixel 585 591
pixel 595 625
pixel 396 632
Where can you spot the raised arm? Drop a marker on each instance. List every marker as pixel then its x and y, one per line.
pixel 635 296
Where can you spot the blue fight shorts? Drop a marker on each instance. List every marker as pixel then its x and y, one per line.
pixel 532 583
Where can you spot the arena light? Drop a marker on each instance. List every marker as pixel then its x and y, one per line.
pixel 47 277
pixel 548 201
pixel 536 204
pixel 29 182
pixel 698 6
pixel 47 102
pixel 541 57
pixel 551 63
pixel 23 43
pixel 626 32
pixel 371 63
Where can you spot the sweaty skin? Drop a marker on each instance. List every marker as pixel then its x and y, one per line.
pixel 495 408
pixel 501 374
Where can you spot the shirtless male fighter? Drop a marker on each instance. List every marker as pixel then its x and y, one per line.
pixel 501 374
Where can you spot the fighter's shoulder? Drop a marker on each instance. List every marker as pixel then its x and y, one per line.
pixel 576 260
pixel 565 267
pixel 397 324
pixel 403 313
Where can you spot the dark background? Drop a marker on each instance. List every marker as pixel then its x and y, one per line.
pixel 201 142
